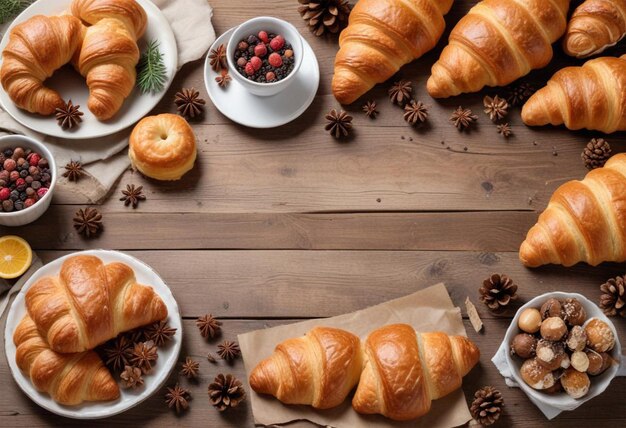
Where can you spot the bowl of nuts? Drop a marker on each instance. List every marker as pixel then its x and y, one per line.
pixel 563 349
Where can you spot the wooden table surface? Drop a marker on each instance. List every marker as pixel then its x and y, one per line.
pixel 284 224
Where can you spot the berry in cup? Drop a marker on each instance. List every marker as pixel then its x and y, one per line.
pixel 25 178
pixel 264 57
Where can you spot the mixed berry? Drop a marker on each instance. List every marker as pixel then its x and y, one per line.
pixel 264 58
pixel 24 178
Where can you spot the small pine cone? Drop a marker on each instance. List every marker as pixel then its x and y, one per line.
pixel 597 152
pixel 487 405
pixel 613 299
pixel 497 292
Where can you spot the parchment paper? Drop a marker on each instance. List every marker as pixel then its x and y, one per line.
pixel 427 310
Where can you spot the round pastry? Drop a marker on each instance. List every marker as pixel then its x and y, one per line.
pixel 524 345
pixel 576 339
pixel 550 354
pixel 580 361
pixel 573 312
pixel 553 328
pixel 575 383
pixel 537 376
pixel 162 147
pixel 551 308
pixel 600 337
pixel 598 362
pixel 529 320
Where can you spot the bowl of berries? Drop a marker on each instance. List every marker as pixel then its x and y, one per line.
pixel 265 54
pixel 27 179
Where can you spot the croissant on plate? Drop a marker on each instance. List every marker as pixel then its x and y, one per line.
pixel 404 370
pixel 36 49
pixel 594 26
pixel 585 221
pixel 90 303
pixel 319 369
pixel 592 97
pixel 109 53
pixel 382 36
pixel 496 43
pixel 69 379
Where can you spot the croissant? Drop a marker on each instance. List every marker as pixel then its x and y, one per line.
pixel 109 53
pixel 497 42
pixel 585 221
pixel 404 370
pixel 382 36
pixel 592 96
pixel 594 26
pixel 36 49
pixel 69 379
pixel 90 303
pixel 319 369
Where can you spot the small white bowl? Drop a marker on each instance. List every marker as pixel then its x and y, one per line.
pixel 598 383
pixel 30 214
pixel 271 25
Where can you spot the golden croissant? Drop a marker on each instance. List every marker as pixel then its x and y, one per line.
pixel 382 36
pixel 109 53
pixel 90 303
pixel 69 379
pixel 319 369
pixel 404 370
pixel 496 43
pixel 594 26
pixel 585 221
pixel 36 49
pixel 592 97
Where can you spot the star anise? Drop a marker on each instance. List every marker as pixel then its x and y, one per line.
pixel 223 79
pixel 131 377
pixel 73 171
pixel 228 350
pixel 190 368
pixel 463 118
pixel 117 352
pixel 209 326
pixel 159 332
pixel 217 58
pixel 496 107
pixel 189 103
pixel 144 355
pixel 505 130
pixel 177 398
pixel 415 112
pixel 226 391
pixel 69 115
pixel 88 222
pixel 135 336
pixel 132 195
pixel 519 93
pixel 370 109
pixel 400 92
pixel 339 123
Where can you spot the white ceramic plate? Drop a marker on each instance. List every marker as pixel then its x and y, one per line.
pixel 168 355
pixel 242 107
pixel 72 86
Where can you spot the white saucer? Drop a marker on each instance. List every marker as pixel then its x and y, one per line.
pixel 240 106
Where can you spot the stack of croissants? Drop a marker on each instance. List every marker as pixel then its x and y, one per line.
pixel 98 37
pixel 397 372
pixel 88 303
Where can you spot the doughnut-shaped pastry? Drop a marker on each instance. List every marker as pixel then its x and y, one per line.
pixel 162 147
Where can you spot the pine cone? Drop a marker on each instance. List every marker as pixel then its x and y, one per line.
pixel 597 152
pixel 487 405
pixel 497 292
pixel 325 15
pixel 226 391
pixel 613 299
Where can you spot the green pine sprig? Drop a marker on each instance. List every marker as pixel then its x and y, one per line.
pixel 10 8
pixel 151 71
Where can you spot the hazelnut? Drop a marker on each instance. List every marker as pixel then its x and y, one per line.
pixel 524 345
pixel 577 339
pixel 600 337
pixel 529 320
pixel 573 312
pixel 551 308
pixel 550 354
pixel 580 361
pixel 598 362
pixel 553 328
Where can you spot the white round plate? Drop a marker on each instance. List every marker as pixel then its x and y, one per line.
pixel 71 85
pixel 242 107
pixel 168 355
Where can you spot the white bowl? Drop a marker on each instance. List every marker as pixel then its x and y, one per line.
pixel 30 214
pixel 598 383
pixel 271 25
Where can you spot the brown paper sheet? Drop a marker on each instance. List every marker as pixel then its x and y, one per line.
pixel 427 310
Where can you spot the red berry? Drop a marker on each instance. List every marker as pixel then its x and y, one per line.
pixel 269 76
pixel 275 60
pixel 29 202
pixel 14 175
pixel 33 158
pixel 260 50
pixel 5 193
pixel 263 36
pixel 20 182
pixel 241 62
pixel 10 164
pixel 256 63
pixel 249 69
pixel 277 43
pixel 42 191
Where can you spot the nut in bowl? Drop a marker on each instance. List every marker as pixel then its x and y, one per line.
pixel 272 51
pixel 567 357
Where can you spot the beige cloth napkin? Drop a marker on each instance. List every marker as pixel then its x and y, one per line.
pixel 105 159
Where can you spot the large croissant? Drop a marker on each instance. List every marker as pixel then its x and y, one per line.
pixel 319 369
pixel 36 49
pixel 109 53
pixel 382 36
pixel 90 303
pixel 497 42
pixel 585 221
pixel 70 379
pixel 592 96
pixel 594 26
pixel 404 370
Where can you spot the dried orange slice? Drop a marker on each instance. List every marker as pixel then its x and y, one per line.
pixel 15 256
